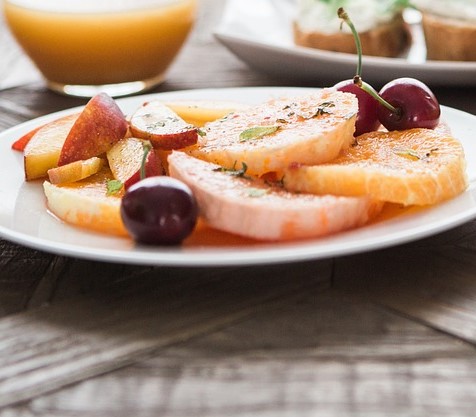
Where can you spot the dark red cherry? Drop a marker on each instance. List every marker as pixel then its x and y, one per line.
pixel 367 120
pixel 415 105
pixel 159 210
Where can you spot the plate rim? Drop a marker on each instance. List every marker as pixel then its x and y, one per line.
pixel 346 58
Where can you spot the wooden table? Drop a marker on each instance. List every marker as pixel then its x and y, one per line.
pixel 385 333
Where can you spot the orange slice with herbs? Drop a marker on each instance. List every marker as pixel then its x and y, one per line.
pixel 410 167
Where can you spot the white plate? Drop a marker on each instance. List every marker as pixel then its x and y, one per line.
pixel 25 220
pixel 260 33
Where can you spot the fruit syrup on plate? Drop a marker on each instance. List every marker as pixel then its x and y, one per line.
pixel 403 103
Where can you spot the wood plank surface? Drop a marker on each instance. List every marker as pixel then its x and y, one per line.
pixel 432 281
pixel 76 339
pixel 316 354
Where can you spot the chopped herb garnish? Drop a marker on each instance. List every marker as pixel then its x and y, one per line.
pixel 414 155
pixel 155 125
pixel 428 154
pixel 114 187
pixel 257 192
pixel 201 132
pixel 322 109
pixel 147 146
pixel 233 171
pixel 257 132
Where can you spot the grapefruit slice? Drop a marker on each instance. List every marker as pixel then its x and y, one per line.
pixel 234 202
pixel 308 129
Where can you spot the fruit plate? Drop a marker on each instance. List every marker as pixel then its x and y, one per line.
pixel 261 35
pixel 25 220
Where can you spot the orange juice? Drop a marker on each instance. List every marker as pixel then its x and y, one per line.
pixel 97 42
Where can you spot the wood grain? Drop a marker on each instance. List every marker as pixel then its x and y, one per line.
pixel 431 281
pixel 82 337
pixel 315 354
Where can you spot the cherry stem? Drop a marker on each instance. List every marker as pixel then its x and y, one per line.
pixel 147 148
pixel 370 90
pixel 342 14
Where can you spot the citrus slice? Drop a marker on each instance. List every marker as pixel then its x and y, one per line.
pixel 87 204
pixel 309 129
pixel 234 202
pixel 411 167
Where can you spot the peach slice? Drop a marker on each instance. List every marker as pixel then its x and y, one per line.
pixel 99 126
pixel 125 160
pixel 43 149
pixel 162 126
pixel 75 171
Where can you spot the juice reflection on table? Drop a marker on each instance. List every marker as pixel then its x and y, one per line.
pixel 92 42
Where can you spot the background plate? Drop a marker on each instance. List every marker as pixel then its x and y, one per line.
pixel 260 33
pixel 25 220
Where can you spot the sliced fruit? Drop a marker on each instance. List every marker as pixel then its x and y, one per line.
pixel 99 126
pixel 43 149
pixel 75 171
pixel 199 112
pixel 21 142
pixel 86 204
pixel 125 160
pixel 232 201
pixel 158 123
pixel 417 166
pixel 308 129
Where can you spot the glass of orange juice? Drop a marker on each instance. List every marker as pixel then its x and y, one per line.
pixel 83 47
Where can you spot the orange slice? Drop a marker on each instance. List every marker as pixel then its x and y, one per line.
pixel 199 112
pixel 416 166
pixel 86 204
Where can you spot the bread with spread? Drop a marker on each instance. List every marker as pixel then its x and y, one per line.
pixel 450 29
pixel 381 27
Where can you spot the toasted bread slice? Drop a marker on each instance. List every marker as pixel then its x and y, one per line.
pixel 449 39
pixel 308 129
pixel 387 39
pixel 234 202
pixel 416 166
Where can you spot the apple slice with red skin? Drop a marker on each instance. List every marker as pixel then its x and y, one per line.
pixel 125 160
pixel 100 125
pixel 164 128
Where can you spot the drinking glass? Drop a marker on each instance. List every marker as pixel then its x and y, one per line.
pixel 83 47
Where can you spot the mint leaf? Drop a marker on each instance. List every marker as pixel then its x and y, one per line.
pixel 257 132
